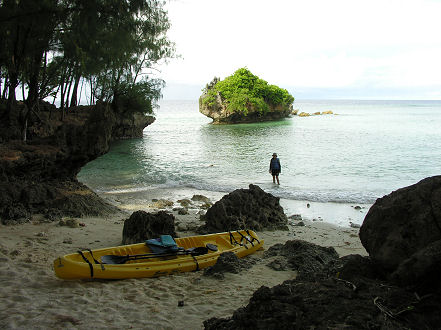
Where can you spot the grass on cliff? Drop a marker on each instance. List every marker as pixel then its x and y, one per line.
pixel 243 90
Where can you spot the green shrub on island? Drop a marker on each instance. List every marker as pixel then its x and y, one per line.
pixel 243 90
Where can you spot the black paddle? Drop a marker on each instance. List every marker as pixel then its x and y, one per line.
pixel 118 260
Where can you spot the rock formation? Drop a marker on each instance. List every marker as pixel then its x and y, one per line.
pixel 142 226
pixel 221 115
pixel 243 98
pixel 246 209
pixel 39 176
pixel 396 287
pixel 402 232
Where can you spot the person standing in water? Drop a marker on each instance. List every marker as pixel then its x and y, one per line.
pixel 275 168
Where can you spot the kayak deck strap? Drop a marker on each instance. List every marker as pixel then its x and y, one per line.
pixel 87 260
pixel 233 241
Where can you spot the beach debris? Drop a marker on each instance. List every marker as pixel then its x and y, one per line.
pixel 185 202
pixel 206 205
pixel 72 223
pixel 160 204
pixel 200 198
pixel 250 208
pixel 354 225
pixel 142 226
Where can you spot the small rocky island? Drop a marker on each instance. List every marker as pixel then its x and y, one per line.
pixel 244 98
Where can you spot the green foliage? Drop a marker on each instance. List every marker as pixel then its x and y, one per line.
pixel 244 90
pixel 138 97
pixel 109 45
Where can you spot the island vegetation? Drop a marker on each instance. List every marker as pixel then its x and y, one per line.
pixel 244 94
pixel 244 89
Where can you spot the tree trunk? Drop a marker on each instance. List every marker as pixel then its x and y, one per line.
pixel 74 99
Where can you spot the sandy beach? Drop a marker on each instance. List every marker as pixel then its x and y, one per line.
pixel 33 297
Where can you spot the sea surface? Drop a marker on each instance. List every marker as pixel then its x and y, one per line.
pixel 364 151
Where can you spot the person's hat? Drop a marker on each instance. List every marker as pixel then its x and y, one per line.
pixel 274 154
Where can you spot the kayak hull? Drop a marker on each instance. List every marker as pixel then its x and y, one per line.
pixel 87 264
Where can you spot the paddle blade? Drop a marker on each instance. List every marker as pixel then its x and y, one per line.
pixel 114 260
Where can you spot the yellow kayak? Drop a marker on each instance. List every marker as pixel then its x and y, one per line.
pixel 138 260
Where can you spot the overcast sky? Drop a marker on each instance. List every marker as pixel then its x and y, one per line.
pixel 340 49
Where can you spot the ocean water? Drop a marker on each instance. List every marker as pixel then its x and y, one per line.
pixel 364 151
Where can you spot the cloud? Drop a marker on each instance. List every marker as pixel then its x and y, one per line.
pixel 308 44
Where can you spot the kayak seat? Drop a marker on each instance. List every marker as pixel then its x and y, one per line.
pixel 163 244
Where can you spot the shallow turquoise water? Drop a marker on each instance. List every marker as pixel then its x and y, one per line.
pixel 366 151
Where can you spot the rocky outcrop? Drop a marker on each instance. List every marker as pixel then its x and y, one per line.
pixel 396 287
pixel 402 232
pixel 142 226
pixel 221 115
pixel 39 176
pixel 337 293
pixel 131 125
pixel 246 209
pixel 318 113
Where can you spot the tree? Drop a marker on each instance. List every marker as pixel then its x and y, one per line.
pixel 53 46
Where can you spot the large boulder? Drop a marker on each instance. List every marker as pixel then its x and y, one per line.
pixel 401 229
pixel 246 209
pixel 142 226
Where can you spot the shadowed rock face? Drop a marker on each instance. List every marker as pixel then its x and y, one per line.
pixel 341 293
pixel 246 209
pixel 221 115
pixel 142 226
pixel 40 176
pixel 402 232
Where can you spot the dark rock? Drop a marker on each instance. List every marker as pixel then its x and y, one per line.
pixel 401 228
pixel 15 214
pixel 246 209
pixel 279 264
pixel 345 295
pixel 422 270
pixel 351 268
pixel 329 304
pixel 142 226
pixel 307 258
pixel 53 214
pixel 228 262
pixel 41 173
